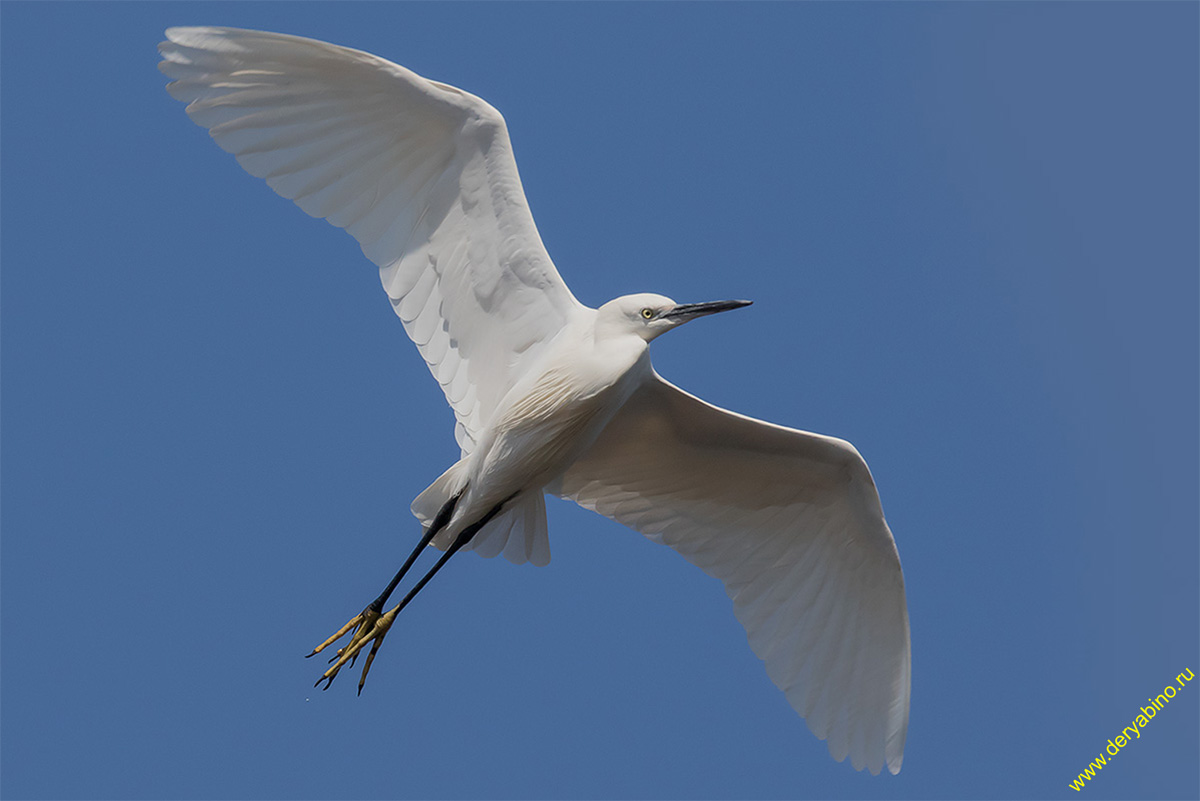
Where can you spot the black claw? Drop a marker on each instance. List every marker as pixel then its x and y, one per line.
pixel 310 656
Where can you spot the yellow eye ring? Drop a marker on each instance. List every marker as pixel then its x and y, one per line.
pixel 647 313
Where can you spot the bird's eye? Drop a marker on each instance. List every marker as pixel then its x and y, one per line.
pixel 647 313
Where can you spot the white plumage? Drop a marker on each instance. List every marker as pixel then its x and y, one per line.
pixel 552 396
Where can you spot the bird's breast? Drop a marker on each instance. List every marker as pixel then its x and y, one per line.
pixel 548 422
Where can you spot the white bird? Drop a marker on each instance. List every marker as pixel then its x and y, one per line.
pixel 553 396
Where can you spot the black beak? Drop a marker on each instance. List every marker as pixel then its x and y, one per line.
pixel 690 311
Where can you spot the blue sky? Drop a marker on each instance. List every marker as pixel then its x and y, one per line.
pixel 971 235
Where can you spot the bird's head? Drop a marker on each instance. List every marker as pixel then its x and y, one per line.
pixel 649 315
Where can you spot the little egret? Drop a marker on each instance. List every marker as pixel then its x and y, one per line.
pixel 552 396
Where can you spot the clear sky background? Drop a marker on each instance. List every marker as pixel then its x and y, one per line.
pixel 971 235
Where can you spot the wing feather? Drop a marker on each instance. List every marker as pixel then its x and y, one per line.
pixel 791 523
pixel 420 173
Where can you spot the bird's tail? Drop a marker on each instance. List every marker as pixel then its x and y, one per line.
pixel 519 532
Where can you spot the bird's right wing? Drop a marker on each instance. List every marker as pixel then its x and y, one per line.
pixel 791 523
pixel 422 174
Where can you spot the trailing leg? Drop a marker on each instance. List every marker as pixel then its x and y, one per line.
pixel 365 620
pixel 374 627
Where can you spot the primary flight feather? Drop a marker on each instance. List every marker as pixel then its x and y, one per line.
pixel 550 395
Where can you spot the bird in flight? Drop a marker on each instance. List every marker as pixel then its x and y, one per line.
pixel 552 396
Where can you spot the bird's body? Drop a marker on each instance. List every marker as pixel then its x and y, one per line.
pixel 550 417
pixel 551 396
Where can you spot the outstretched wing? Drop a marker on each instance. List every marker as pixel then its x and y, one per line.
pixel 420 173
pixel 791 523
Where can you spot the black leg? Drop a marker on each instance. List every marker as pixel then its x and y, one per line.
pixel 369 615
pixel 462 539
pixel 370 625
pixel 439 522
pixel 385 623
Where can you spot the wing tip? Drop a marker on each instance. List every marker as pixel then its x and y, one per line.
pixel 174 33
pixel 861 762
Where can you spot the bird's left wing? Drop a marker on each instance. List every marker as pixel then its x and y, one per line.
pixel 422 174
pixel 791 523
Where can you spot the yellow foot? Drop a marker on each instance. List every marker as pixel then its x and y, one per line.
pixel 364 627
